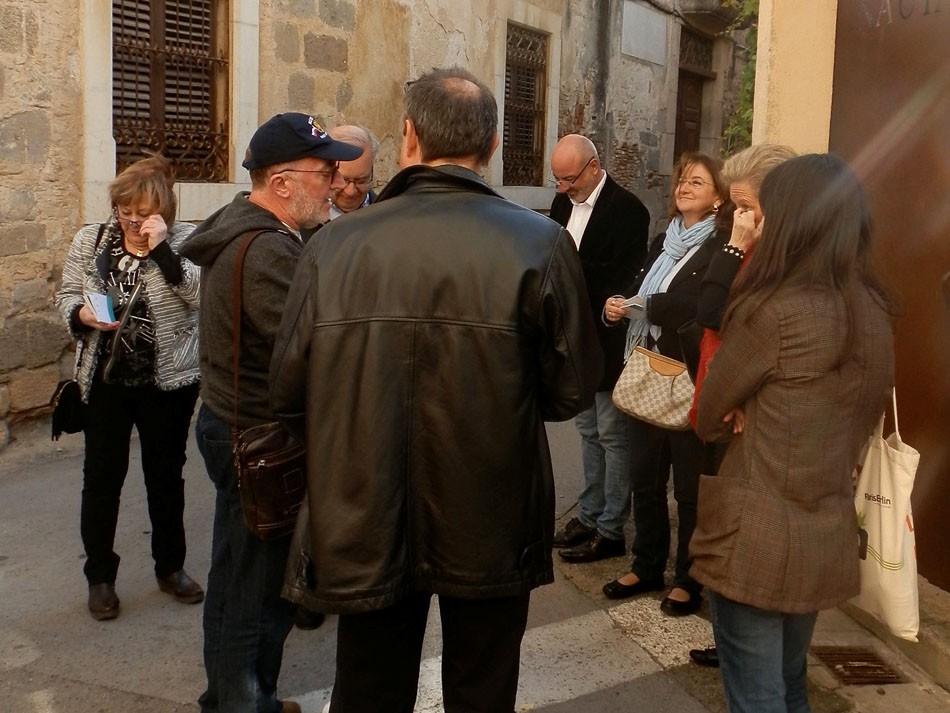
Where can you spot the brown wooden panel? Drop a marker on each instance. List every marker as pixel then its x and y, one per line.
pixel 689 113
pixel 891 119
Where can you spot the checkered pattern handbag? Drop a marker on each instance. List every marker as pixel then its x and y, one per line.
pixel 655 389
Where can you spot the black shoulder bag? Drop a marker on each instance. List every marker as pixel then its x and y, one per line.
pixel 69 411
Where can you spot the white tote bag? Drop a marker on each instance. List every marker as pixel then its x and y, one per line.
pixel 888 546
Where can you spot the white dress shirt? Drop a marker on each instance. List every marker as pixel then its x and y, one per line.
pixel 580 214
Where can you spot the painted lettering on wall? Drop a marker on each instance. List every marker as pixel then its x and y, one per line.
pixel 886 12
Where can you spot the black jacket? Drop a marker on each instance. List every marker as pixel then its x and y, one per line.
pixel 425 342
pixel 672 309
pixel 612 251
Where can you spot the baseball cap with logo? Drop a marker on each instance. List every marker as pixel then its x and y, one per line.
pixel 292 136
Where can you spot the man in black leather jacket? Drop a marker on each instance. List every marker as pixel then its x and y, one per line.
pixel 425 341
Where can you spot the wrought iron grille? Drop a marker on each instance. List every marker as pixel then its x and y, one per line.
pixel 526 70
pixel 170 84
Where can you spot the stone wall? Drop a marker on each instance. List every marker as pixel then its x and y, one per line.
pixel 344 61
pixel 40 171
pixel 625 105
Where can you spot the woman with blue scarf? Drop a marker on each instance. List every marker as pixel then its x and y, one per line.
pixel 669 286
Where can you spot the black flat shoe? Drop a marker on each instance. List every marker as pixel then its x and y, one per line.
pixel 617 590
pixel 705 657
pixel 677 608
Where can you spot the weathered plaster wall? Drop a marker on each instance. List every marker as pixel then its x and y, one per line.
pixel 619 102
pixel 345 61
pixel 40 171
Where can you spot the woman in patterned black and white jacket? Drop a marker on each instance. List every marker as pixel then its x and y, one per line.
pixel 139 369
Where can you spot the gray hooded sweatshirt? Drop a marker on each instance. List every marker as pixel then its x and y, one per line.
pixel 268 269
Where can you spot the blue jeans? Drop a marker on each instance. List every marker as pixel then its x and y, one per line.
pixel 245 620
pixel 604 502
pixel 762 657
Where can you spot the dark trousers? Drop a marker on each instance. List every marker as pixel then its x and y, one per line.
pixel 162 419
pixel 654 450
pixel 245 620
pixel 378 655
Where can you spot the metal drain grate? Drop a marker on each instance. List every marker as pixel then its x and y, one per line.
pixel 855 666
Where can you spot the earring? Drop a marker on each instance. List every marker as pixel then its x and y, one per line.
pixel 715 208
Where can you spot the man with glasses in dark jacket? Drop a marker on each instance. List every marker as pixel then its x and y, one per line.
pixel 423 346
pixel 293 167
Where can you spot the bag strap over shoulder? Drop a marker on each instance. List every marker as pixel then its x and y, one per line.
pixel 237 271
pixel 662 364
pixel 897 429
pixel 102 229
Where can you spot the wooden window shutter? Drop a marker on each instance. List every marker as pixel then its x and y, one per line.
pixel 170 84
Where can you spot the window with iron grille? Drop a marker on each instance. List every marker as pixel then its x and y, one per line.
pixel 170 84
pixel 526 70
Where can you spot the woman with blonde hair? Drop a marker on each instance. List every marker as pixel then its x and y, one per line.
pixel 744 172
pixel 806 364
pixel 139 369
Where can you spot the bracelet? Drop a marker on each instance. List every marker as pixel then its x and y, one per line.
pixel 734 251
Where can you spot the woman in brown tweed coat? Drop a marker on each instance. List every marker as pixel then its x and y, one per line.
pixel 805 370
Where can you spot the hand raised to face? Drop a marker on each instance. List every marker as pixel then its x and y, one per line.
pixel 154 230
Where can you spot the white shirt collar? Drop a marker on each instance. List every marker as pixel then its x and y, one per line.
pixel 594 194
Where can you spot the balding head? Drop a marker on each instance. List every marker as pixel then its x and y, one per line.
pixel 453 116
pixel 576 167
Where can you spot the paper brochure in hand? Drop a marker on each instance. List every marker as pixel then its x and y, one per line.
pixel 101 306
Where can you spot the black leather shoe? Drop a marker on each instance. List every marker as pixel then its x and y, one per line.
pixel 676 608
pixel 596 548
pixel 103 603
pixel 308 620
pixel 182 587
pixel 705 657
pixel 573 533
pixel 618 590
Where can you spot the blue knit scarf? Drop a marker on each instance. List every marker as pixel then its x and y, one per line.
pixel 677 243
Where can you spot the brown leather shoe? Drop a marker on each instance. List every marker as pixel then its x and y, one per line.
pixel 289 707
pixel 182 587
pixel 103 603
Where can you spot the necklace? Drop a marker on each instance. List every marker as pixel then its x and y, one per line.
pixel 135 249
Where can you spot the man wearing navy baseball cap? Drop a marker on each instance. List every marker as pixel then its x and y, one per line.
pixel 293 166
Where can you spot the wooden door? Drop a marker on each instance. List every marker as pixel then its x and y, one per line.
pixel 689 113
pixel 890 116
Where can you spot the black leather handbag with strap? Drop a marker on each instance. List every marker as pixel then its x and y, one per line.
pixel 270 463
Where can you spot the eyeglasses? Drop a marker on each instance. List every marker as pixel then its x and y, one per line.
pixel 326 172
pixel 696 183
pixel 569 182
pixel 361 183
pixel 134 224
